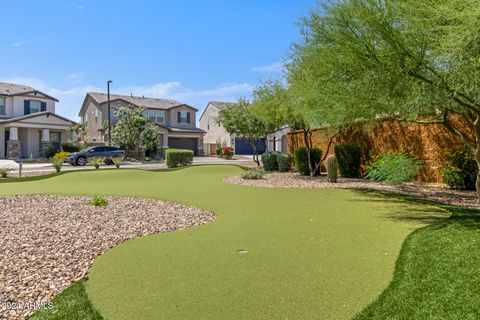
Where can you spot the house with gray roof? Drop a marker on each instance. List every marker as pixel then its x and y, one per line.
pixel 29 125
pixel 176 121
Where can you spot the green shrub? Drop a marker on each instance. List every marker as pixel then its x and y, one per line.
pixel 4 172
pixel 57 163
pixel 349 158
pixel 393 167
pixel 461 169
pixel 301 160
pixel 62 155
pixel 51 152
pixel 332 169
pixel 284 162
pixel 270 160
pixel 178 157
pixel 117 161
pixel 218 151
pixel 227 152
pixel 254 174
pixel 147 159
pixel 96 161
pixel 70 147
pixel 98 201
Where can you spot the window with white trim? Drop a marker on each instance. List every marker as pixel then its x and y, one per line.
pixel 2 106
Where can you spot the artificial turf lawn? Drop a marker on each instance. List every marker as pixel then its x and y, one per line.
pixel 311 253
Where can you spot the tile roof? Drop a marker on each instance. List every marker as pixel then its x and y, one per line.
pixel 223 104
pixel 34 115
pixel 150 103
pixel 12 89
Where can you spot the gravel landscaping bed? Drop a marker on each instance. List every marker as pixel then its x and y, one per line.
pixel 48 242
pixel 429 191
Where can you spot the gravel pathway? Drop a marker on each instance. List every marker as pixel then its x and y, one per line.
pixel 48 242
pixel 429 191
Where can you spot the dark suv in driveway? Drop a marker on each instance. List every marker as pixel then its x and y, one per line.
pixel 81 158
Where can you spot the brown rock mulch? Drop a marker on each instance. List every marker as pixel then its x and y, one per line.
pixel 428 191
pixel 48 242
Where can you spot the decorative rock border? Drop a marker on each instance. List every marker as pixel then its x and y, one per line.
pixel 48 242
pixel 428 191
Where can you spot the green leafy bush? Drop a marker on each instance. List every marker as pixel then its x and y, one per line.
pixel 227 152
pixel 349 158
pixel 147 159
pixel 461 169
pixel 96 161
pixel 284 162
pixel 62 155
pixel 117 161
pixel 4 172
pixel 51 152
pixel 70 147
pixel 57 163
pixel 393 167
pixel 301 160
pixel 178 157
pixel 218 151
pixel 270 160
pixel 254 174
pixel 98 201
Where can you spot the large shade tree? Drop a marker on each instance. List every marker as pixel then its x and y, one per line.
pixel 412 60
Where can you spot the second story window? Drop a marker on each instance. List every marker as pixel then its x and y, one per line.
pixel 183 117
pixel 33 106
pixel 2 106
pixel 113 114
pixel 154 115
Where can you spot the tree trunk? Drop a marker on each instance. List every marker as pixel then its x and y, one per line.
pixel 308 144
pixel 255 153
pixel 476 129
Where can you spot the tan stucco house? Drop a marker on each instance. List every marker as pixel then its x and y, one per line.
pixel 176 121
pixel 28 123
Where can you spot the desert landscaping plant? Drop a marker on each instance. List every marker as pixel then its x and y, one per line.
pixel 349 159
pixel 227 152
pixel 253 173
pixel 284 162
pixel 50 152
pixel 4 171
pixel 461 169
pixel 178 157
pixel 301 161
pixel 270 160
pixel 393 167
pixel 117 161
pixel 98 201
pixel 96 161
pixel 62 155
pixel 332 169
pixel 57 163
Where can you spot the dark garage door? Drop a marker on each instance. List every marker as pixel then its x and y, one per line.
pixel 244 147
pixel 183 143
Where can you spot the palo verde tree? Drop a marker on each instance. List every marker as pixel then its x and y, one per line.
pixel 241 121
pixel 133 131
pixel 411 60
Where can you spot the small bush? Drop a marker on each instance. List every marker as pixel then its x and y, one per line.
pixel 98 201
pixel 301 160
pixel 461 169
pixel 254 174
pixel 117 161
pixel 270 160
pixel 70 147
pixel 227 152
pixel 4 172
pixel 147 159
pixel 178 157
pixel 218 151
pixel 57 163
pixel 349 158
pixel 51 152
pixel 393 167
pixel 96 161
pixel 62 155
pixel 284 162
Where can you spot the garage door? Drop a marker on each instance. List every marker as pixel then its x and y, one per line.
pixel 183 143
pixel 244 147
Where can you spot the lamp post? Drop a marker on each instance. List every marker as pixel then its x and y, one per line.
pixel 109 116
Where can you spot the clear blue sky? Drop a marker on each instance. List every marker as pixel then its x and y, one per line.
pixel 192 51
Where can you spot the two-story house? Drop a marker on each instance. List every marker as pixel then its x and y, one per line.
pixel 28 123
pixel 176 121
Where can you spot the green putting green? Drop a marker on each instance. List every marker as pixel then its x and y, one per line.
pixel 270 254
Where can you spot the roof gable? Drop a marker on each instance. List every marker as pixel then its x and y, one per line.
pixel 11 89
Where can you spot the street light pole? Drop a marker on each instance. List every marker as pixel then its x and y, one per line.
pixel 109 116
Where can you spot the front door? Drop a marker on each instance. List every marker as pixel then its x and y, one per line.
pixel 7 137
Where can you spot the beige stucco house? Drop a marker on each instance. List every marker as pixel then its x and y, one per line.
pixel 28 123
pixel 176 121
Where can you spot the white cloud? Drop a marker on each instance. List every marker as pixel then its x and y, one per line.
pixel 71 99
pixel 21 43
pixel 275 67
pixel 75 77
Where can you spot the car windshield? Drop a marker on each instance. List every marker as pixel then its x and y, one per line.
pixel 87 149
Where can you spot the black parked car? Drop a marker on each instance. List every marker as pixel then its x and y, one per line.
pixel 81 158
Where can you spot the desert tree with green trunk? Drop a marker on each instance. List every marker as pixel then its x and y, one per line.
pixel 244 123
pixel 133 131
pixel 410 60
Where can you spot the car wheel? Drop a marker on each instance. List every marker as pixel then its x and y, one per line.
pixel 81 161
pixel 108 162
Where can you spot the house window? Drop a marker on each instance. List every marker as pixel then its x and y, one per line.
pixel 113 114
pixel 96 115
pixel 2 105
pixel 183 117
pixel 154 115
pixel 35 106
pixel 55 139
